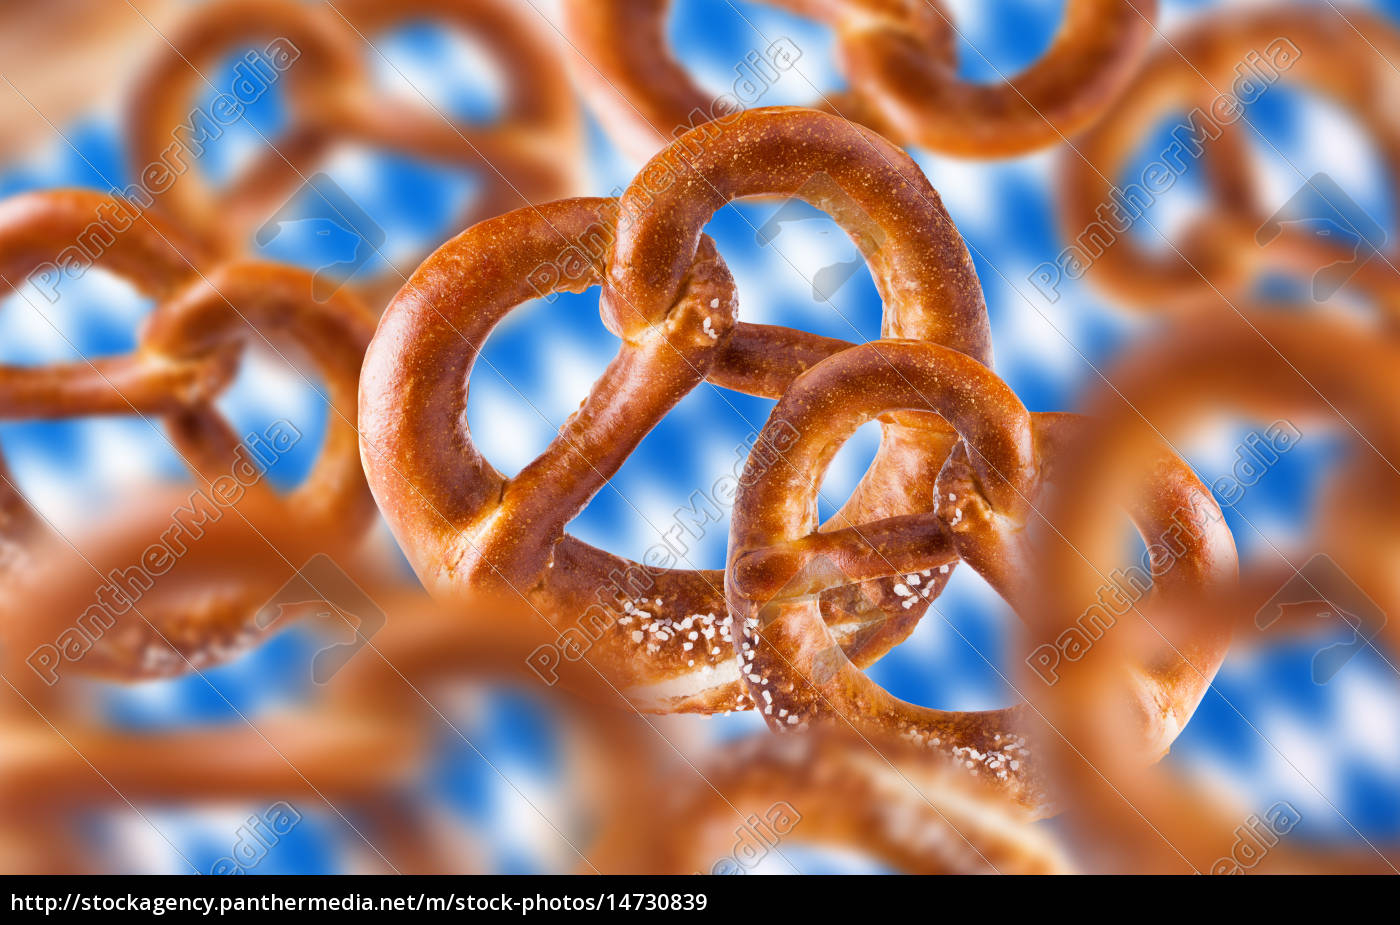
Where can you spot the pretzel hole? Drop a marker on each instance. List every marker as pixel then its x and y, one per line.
pixel 454 70
pixel 961 656
pixel 796 267
pixel 73 320
pixel 277 389
pixel 1323 176
pixel 847 468
pixel 1268 476
pixel 726 50
pixel 384 211
pixel 1165 186
pixel 62 318
pixel 989 49
pixel 533 371
pixel 263 115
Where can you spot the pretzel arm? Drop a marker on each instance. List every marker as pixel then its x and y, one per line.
pixel 903 546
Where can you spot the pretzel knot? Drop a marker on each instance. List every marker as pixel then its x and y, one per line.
pixel 900 59
pixel 667 294
pixel 979 510
pixel 188 352
pixel 320 51
pixel 1210 71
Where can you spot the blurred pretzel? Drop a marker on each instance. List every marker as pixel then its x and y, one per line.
pixel 979 509
pixel 362 740
pixel 322 48
pixel 1130 817
pixel 667 294
pixel 188 353
pixel 900 58
pixel 61 56
pixel 885 800
pixel 1347 56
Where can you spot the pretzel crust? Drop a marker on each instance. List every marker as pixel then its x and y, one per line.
pixel 188 352
pixel 333 101
pixel 894 803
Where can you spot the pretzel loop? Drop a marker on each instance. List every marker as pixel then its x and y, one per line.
pixel 261 303
pixel 1095 53
pixel 37 234
pixel 322 80
pixel 1264 364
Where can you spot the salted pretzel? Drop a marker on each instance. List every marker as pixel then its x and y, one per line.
pixel 900 58
pixel 62 762
pixel 1132 817
pixel 979 509
pixel 188 352
pixel 1348 57
pixel 358 742
pixel 667 294
pixel 322 50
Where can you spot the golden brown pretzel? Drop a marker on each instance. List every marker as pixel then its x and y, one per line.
pixel 188 352
pixel 979 509
pixel 668 295
pixel 900 58
pixel 320 48
pixel 1267 364
pixel 1347 56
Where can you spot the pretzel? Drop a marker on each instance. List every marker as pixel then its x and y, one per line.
pixel 61 762
pixel 332 100
pixel 900 58
pixel 1266 364
pixel 980 508
pixel 182 613
pixel 61 58
pixel 188 351
pixel 1348 57
pixel 467 529
pixel 892 803
pixel 359 741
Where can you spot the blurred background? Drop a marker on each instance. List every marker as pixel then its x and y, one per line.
pixel 1266 731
